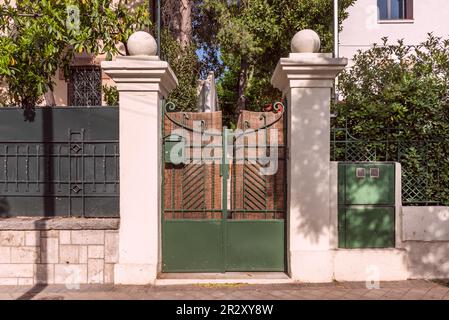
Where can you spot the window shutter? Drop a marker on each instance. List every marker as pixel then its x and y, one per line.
pixel 408 9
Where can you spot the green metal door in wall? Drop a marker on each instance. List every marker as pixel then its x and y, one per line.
pixel 366 205
pixel 223 192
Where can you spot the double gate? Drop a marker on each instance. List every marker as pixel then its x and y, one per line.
pixel 223 191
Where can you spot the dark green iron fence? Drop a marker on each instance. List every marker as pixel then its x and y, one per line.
pixel 62 163
pixel 425 169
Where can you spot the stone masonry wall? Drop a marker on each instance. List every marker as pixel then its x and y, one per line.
pixel 29 257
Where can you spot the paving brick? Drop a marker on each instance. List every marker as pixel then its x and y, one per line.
pixel 69 254
pixel 95 252
pixel 95 270
pixel 24 254
pixel 87 237
pixel 12 238
pixel 111 244
pixel 49 250
pixel 5 254
pixel 32 238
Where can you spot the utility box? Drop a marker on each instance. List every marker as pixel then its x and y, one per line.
pixel 366 205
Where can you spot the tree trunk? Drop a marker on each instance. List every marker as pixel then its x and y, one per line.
pixel 243 80
pixel 177 17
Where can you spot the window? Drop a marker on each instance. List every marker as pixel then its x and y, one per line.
pixel 85 86
pixel 395 9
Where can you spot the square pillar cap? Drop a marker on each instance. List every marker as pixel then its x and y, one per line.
pixel 141 73
pixel 307 70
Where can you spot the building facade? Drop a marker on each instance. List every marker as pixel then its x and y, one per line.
pixel 411 20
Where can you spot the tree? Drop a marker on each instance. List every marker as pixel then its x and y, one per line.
pixel 251 36
pixel 179 50
pixel 38 37
pixel 398 86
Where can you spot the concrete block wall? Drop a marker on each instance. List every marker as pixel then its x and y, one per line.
pixel 426 240
pixel 29 257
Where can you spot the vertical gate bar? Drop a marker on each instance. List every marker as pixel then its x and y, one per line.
pixel 37 169
pixel 234 183
pixel 224 195
pixel 94 159
pixel 116 161
pixel 203 127
pixel 82 175
pixel 213 182
pixel 70 171
pixel 264 176
pixel 27 168
pixel 104 168
pixel 5 168
pixel 17 168
pixel 59 167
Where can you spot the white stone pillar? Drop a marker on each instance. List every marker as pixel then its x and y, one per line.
pixel 306 79
pixel 142 81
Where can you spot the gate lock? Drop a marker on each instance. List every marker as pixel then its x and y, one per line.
pixel 174 149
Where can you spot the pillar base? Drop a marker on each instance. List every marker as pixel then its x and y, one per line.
pixel 136 274
pixel 368 264
pixel 311 266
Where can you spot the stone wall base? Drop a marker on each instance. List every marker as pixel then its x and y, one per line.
pixel 29 257
pixel 370 265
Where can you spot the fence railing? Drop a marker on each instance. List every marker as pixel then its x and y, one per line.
pixel 425 169
pixel 63 163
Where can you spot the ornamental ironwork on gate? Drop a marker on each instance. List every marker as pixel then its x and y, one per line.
pixel 224 194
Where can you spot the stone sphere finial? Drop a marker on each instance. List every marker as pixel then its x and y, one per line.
pixel 141 43
pixel 306 41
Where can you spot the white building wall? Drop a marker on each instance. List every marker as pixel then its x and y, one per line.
pixel 362 28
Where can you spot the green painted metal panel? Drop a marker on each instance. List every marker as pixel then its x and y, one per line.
pixel 64 161
pixel 174 149
pixel 369 183
pixel 341 226
pixel 255 245
pixel 369 227
pixel 366 198
pixel 192 246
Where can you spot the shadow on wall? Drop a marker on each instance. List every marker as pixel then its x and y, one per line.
pixel 309 194
pixel 429 260
pixel 4 208
pixel 41 277
pixel 426 231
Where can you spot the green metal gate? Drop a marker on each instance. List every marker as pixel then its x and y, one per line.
pixel 219 212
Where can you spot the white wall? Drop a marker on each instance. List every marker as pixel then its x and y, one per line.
pixel 361 29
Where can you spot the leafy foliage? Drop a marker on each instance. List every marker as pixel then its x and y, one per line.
pixel 184 63
pixel 110 95
pixel 400 93
pixel 249 37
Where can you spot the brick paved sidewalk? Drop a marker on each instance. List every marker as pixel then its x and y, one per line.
pixel 404 290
